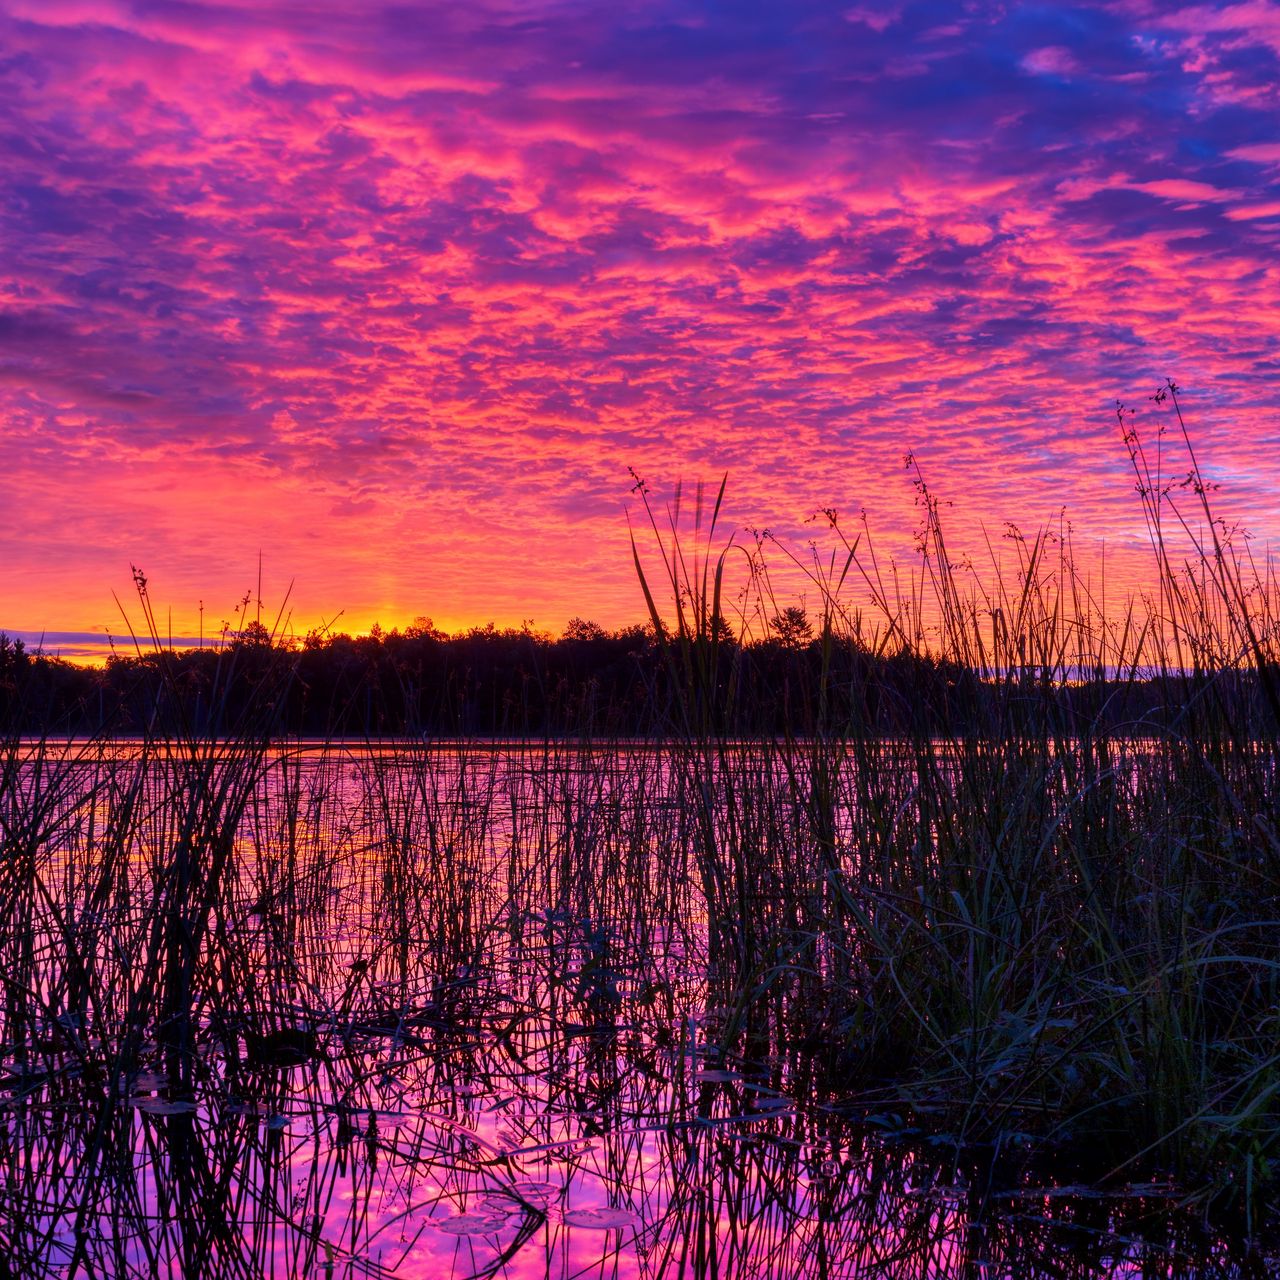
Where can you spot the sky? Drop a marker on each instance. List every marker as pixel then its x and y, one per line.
pixel 395 295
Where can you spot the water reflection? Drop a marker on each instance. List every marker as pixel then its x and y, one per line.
pixel 449 1019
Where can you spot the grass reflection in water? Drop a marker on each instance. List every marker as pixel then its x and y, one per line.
pixel 414 1011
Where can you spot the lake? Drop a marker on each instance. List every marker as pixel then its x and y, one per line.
pixel 417 1010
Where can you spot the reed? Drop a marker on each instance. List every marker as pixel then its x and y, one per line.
pixel 983 977
pixel 1028 922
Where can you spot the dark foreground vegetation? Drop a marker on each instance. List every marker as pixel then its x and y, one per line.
pixel 994 889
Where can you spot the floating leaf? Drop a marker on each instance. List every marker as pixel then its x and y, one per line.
pixel 163 1106
pixel 471 1224
pixel 536 1193
pixel 771 1104
pixel 601 1219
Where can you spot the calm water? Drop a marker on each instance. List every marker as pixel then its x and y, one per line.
pixel 454 1013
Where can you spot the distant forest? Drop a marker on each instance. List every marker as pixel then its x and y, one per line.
pixel 589 682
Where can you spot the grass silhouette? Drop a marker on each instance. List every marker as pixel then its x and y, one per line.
pixel 1024 949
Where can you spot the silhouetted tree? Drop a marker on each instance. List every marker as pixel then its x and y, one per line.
pixel 792 627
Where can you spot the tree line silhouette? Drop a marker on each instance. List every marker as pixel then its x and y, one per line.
pixel 589 682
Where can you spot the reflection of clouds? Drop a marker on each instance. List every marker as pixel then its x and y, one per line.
pixel 360 274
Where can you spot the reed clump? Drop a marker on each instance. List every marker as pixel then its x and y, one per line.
pixel 1040 915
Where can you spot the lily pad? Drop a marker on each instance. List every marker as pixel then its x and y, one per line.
pixel 601 1219
pixel 144 1082
pixel 771 1104
pixel 471 1224
pixel 163 1106
pixel 536 1190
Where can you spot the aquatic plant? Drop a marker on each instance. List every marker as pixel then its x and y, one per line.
pixel 970 960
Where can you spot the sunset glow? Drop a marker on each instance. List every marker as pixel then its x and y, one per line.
pixel 394 295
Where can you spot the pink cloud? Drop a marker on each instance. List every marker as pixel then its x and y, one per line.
pixel 1259 152
pixel 1244 213
pixel 397 301
pixel 1052 60
pixel 1184 189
